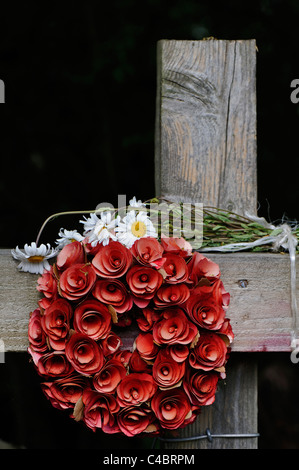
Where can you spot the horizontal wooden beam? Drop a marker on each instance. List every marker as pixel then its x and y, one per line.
pixel 260 312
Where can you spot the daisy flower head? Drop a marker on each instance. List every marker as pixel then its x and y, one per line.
pixel 68 236
pixel 100 230
pixel 34 259
pixel 134 203
pixel 133 227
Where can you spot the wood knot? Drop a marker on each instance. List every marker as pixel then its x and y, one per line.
pixel 230 206
pixel 243 283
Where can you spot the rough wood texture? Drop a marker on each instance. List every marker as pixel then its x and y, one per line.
pixel 233 412
pixel 260 313
pixel 206 123
pixel 206 152
pixel 18 297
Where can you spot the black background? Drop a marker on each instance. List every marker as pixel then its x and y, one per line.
pixel 77 129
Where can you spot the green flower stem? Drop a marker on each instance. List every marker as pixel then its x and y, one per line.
pixel 220 227
pixel 59 214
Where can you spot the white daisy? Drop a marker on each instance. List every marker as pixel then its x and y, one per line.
pixel 134 203
pixel 34 259
pixel 100 230
pixel 68 236
pixel 133 227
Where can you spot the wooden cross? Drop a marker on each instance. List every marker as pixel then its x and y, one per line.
pixel 205 152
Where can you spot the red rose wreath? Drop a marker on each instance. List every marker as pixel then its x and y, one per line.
pixel 91 294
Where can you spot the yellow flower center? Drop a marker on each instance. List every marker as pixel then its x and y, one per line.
pixel 138 229
pixel 36 259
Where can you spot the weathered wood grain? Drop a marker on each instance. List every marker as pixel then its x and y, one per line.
pixel 233 412
pixel 18 297
pixel 206 123
pixel 260 313
pixel 206 152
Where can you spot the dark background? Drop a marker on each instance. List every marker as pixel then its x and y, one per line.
pixel 77 129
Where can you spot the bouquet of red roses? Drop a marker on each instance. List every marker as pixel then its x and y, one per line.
pixel 93 293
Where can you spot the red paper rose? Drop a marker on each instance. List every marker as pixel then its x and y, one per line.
pixel 72 253
pixel 99 411
pixel 109 376
pixel 176 246
pixel 65 392
pixel 113 292
pixel 143 282
pixel 84 354
pixel 166 371
pixel 36 335
pixel 174 327
pixel 172 408
pixel 111 343
pixel 122 356
pixel 209 353
pixel 56 322
pixel 92 318
pixel 134 420
pixel 51 364
pixel 147 318
pixel 205 307
pixel 226 330
pixel 179 352
pixel 148 251
pixel 175 268
pixel 47 284
pixel 137 364
pixel 201 386
pixel 112 261
pixel 77 281
pixel 171 294
pixel 89 249
pixel 135 389
pixel 222 296
pixel 202 267
pixel 146 347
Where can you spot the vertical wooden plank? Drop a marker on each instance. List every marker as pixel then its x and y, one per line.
pixel 206 152
pixel 206 123
pixel 233 412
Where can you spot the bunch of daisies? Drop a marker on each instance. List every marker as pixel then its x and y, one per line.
pixel 98 229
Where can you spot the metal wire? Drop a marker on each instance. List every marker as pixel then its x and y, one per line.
pixel 208 436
